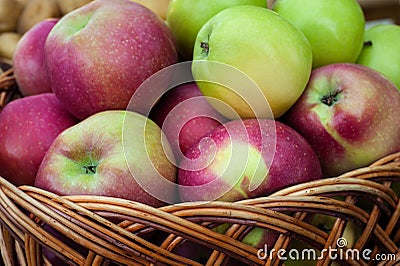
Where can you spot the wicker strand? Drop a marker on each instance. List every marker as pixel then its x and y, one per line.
pixel 183 220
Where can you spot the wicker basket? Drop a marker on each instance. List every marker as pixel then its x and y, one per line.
pixel 37 224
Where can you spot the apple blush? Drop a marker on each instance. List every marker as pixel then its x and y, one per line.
pixel 349 114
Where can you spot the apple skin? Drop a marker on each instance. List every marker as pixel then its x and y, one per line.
pixel 334 29
pixel 186 17
pixel 28 126
pixel 381 51
pixel 105 58
pixel 229 175
pixel 185 116
pixel 92 158
pixel 349 114
pixel 277 58
pixel 28 59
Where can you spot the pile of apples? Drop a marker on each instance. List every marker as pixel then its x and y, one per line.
pixel 217 100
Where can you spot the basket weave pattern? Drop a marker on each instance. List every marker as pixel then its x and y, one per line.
pixel 119 231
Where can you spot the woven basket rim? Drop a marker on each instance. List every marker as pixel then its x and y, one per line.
pixel 85 218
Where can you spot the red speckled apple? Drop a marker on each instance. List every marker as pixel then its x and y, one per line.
pixel 28 126
pixel 98 54
pixel 28 59
pixel 185 116
pixel 246 159
pixel 349 114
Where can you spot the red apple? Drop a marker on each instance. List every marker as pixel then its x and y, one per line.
pixel 111 153
pixel 28 59
pixel 98 54
pixel 28 126
pixel 246 159
pixel 349 114
pixel 185 116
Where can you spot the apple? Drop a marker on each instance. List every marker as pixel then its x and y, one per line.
pixel 186 17
pixel 28 59
pixel 185 116
pixel 335 29
pixel 28 126
pixel 276 57
pixel 349 113
pixel 160 7
pixel 381 51
pixel 96 60
pixel 95 157
pixel 260 238
pixel 246 159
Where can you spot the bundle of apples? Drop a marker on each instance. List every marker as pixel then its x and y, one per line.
pixel 225 100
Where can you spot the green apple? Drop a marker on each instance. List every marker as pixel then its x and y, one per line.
pixel 381 51
pixel 261 45
pixel 334 29
pixel 186 17
pixel 106 48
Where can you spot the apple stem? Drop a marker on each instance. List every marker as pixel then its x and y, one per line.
pixel 368 43
pixel 90 169
pixel 331 98
pixel 205 47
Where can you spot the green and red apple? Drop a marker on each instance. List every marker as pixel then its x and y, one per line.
pixel 98 54
pixel 246 159
pixel 265 48
pixel 335 29
pixel 186 17
pixel 28 126
pixel 349 113
pixel 381 51
pixel 28 59
pixel 95 157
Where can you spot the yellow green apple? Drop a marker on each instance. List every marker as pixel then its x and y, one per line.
pixel 265 48
pixel 334 29
pixel 381 51
pixel 186 17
